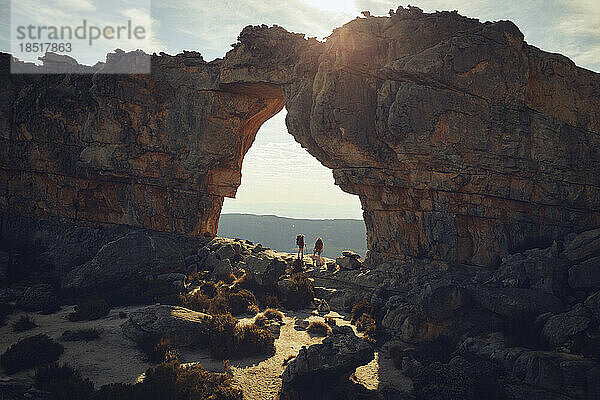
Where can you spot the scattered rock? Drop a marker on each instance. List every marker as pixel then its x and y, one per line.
pixel 229 251
pixel 184 327
pixel 264 270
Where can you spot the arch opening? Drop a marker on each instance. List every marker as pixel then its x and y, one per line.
pixel 285 191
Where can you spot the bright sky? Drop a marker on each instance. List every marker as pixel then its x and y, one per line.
pixel 279 177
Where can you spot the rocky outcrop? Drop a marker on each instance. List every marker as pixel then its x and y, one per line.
pixel 182 326
pixel 40 297
pixel 134 254
pixel 463 142
pixel 316 369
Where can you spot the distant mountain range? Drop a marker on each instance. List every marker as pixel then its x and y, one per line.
pixel 279 233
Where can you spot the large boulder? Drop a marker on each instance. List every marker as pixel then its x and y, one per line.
pixel 263 269
pixel 583 246
pixel 562 327
pixel 538 269
pixel 349 261
pixel 222 270
pixel 516 302
pixel 229 251
pixel 321 364
pixel 184 327
pixel 40 297
pixel 133 254
pixel 585 274
pixel 439 299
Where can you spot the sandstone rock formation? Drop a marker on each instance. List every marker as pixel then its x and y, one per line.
pixel 463 142
pixel 317 368
pixel 182 326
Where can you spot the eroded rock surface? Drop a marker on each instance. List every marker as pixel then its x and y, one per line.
pixel 184 327
pixel 463 142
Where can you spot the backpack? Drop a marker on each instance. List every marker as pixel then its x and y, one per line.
pixel 300 240
pixel 319 245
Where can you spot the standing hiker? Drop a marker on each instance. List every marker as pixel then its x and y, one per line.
pixel 300 244
pixel 318 250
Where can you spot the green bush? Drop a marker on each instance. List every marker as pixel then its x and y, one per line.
pixel 80 335
pixel 158 349
pixel 24 323
pixel 90 310
pixel 318 328
pixel 30 352
pixel 300 292
pixel 63 383
pixel 360 308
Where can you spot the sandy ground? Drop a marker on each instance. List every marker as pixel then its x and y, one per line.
pixel 112 358
pixel 260 378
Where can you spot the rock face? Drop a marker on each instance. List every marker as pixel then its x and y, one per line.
pixel 184 327
pixel 318 367
pixel 134 254
pixel 463 142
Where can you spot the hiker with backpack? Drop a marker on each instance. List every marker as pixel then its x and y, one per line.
pixel 318 250
pixel 300 244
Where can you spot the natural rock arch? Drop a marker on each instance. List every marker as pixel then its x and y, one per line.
pixel 462 141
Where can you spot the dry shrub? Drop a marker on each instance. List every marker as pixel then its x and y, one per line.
pixel 318 328
pixel 271 313
pixel 360 308
pixel 23 324
pixel 30 352
pixel 63 382
pixel 90 310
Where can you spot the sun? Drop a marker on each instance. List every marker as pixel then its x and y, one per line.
pixel 339 6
